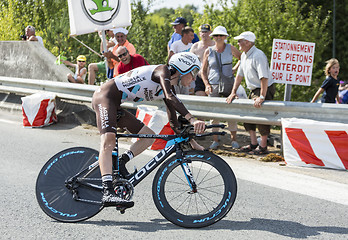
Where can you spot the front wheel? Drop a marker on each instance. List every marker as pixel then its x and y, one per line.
pixel 213 198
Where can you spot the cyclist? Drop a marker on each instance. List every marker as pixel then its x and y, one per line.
pixel 148 83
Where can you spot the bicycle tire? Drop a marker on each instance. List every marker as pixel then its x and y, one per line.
pixel 55 199
pixel 214 179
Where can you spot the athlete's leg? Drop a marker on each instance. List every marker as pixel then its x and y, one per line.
pixel 107 144
pixel 105 103
pixel 143 143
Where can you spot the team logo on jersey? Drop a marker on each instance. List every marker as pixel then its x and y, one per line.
pixel 101 11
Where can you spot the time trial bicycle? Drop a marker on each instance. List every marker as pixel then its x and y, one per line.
pixel 191 188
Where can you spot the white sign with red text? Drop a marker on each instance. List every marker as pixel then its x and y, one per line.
pixel 292 62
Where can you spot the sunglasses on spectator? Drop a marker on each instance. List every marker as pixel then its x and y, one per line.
pixel 219 35
pixel 122 55
pixel 82 61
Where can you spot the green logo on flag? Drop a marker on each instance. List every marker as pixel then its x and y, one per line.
pixel 102 6
pixel 101 12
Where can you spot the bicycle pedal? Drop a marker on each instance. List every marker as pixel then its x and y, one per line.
pixel 121 209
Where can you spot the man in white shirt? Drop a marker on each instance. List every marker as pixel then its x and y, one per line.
pixel 183 45
pixel 30 35
pixel 254 68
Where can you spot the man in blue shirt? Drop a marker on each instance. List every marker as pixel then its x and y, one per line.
pixel 178 25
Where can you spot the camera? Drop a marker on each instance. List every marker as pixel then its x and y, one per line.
pixel 23 37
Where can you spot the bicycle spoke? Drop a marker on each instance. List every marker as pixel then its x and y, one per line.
pixel 202 201
pixel 205 176
pixel 209 190
pixel 180 178
pixel 183 201
pixel 209 179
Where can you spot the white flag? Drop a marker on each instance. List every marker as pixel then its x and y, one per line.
pixel 88 16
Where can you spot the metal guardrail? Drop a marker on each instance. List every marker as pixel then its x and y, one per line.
pixel 241 110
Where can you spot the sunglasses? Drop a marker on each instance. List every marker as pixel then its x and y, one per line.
pixel 122 55
pixel 82 61
pixel 219 35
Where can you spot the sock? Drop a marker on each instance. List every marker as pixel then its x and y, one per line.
pixel 107 183
pixel 127 155
pixel 107 178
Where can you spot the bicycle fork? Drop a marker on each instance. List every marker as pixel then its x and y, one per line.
pixel 187 171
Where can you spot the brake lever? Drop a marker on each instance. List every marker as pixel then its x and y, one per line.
pixel 215 126
pixel 211 134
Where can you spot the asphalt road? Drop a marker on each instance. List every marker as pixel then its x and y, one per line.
pixel 273 202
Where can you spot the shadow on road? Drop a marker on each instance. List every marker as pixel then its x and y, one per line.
pixel 284 228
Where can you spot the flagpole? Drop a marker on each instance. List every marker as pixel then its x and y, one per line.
pixel 87 46
pixel 105 50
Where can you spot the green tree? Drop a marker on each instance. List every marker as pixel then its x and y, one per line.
pixel 149 38
pixel 341 35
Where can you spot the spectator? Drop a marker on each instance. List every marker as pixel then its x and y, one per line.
pixel 100 67
pixel 183 45
pixel 121 37
pixel 80 70
pixel 199 48
pixel 254 68
pixel 223 53
pixel 179 24
pixel 128 62
pixel 330 86
pixel 30 35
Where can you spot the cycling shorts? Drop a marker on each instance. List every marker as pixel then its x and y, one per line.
pixel 106 103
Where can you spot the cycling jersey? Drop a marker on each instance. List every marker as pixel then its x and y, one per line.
pixel 137 85
pixel 146 83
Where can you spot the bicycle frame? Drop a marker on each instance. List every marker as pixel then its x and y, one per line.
pixel 171 147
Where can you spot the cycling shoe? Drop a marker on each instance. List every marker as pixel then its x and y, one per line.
pixel 110 199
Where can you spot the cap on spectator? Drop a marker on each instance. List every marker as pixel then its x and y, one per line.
pixel 250 36
pixel 341 82
pixel 179 20
pixel 30 27
pixel 219 30
pixel 120 30
pixel 81 58
pixel 205 28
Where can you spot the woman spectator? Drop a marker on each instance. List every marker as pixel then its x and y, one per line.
pixel 222 52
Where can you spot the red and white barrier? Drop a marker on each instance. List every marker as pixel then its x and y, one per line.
pixel 157 120
pixel 312 143
pixel 39 109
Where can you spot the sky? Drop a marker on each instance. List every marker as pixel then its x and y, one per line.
pixel 181 3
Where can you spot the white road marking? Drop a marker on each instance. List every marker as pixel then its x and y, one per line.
pixel 294 182
pixel 8 121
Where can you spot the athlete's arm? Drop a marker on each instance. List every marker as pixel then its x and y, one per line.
pixel 161 75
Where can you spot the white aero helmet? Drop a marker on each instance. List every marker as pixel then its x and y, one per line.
pixel 185 62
